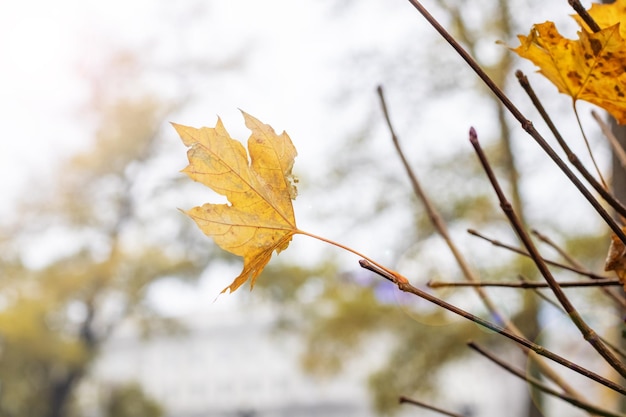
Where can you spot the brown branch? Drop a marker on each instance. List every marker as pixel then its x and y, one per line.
pixel 519 251
pixel 405 286
pixel 539 385
pixel 541 295
pixel 571 156
pixel 526 284
pixel 407 400
pixel 584 15
pixel 570 259
pixel 525 123
pixel 433 214
pixel 588 333
pixel 620 301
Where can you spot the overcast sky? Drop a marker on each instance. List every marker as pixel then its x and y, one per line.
pixel 286 51
pixel 309 67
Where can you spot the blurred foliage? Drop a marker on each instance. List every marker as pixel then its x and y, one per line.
pixel 131 401
pixel 79 260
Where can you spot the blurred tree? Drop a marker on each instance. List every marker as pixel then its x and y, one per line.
pixel 88 241
pixel 99 236
pixel 131 401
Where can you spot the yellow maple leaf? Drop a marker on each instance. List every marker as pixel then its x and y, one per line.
pixel 259 219
pixel 616 258
pixel 591 68
pixel 606 15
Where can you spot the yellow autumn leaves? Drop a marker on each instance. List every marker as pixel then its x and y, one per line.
pixel 259 219
pixel 591 68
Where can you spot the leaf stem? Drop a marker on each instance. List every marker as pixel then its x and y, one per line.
pixel 349 249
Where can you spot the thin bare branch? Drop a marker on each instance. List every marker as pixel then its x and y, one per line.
pixel 407 400
pixel 543 296
pixel 499 244
pixel 584 15
pixel 468 273
pixel 538 384
pixel 588 333
pixel 526 284
pixel 434 216
pixel 620 301
pixel 545 239
pixel 405 286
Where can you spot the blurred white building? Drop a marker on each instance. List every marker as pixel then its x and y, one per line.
pixel 229 364
pixel 235 363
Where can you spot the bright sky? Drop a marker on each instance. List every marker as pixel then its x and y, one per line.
pixel 307 67
pixel 289 75
pixel 292 76
pixel 287 49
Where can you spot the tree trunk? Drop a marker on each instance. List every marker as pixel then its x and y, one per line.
pixel 61 391
pixel 618 185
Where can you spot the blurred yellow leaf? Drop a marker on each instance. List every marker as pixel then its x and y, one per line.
pixel 260 217
pixel 591 68
pixel 606 15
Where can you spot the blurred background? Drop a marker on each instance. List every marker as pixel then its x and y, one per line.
pixel 109 295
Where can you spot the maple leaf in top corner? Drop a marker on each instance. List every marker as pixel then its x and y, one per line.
pixel 591 68
pixel 259 219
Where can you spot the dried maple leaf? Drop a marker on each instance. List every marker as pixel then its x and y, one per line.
pixel 259 219
pixel 591 68
pixel 616 258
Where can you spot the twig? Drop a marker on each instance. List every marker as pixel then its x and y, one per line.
pixel 620 301
pixel 538 384
pixel 497 243
pixel 441 228
pixel 588 333
pixel 525 123
pixel 526 284
pixel 584 15
pixel 541 295
pixel 571 156
pixel 433 214
pixel 545 239
pixel 588 145
pixel 405 286
pixel 406 400
pixel 618 150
